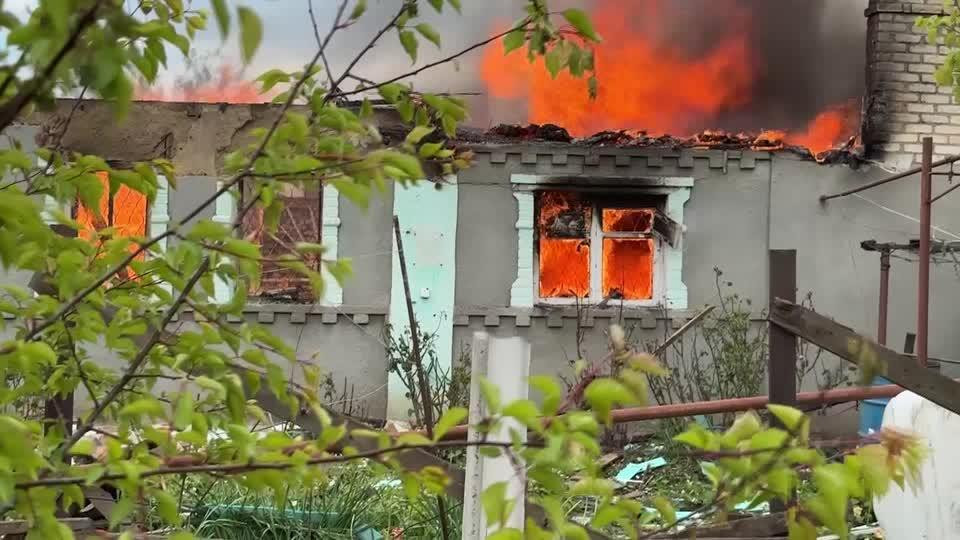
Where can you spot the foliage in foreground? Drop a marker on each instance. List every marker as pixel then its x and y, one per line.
pixel 172 406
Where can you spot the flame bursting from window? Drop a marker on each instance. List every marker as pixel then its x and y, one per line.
pixel 648 82
pixel 226 85
pixel 125 212
pixel 564 230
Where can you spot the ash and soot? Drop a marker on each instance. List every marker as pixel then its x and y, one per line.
pixel 758 74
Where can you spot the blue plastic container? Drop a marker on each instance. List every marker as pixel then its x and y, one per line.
pixel 871 411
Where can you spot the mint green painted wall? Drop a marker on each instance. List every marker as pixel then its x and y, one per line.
pixel 428 223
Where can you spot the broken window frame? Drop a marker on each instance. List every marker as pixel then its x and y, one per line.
pixel 307 190
pixel 665 232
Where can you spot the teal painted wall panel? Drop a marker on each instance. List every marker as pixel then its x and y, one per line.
pixel 428 224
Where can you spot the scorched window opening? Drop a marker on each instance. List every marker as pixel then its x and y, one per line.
pixel 598 245
pixel 299 221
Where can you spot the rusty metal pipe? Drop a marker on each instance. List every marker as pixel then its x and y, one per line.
pixel 884 297
pixel 923 292
pixel 656 412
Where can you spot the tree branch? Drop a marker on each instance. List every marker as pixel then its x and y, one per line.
pixel 353 63
pixel 225 188
pixel 431 65
pixel 11 109
pixel 230 469
pixel 139 359
pixel 316 35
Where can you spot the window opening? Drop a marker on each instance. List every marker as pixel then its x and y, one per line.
pixel 300 221
pixel 580 234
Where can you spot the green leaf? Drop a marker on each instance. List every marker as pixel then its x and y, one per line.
pixel 390 92
pixel 494 501
pixel 665 507
pixel 491 395
pixel 744 427
pixel 456 5
pixel 790 418
pixel 554 61
pixel 272 78
pixel 143 407
pixel 366 109
pixel 183 413
pixel 514 40
pixel 429 33
pixel 83 447
pixel 602 394
pixel 59 11
pixel 219 391
pixel 453 417
pixel 222 14
pixel 418 133
pixel 526 412
pixel 506 534
pixel 437 5
pixel 550 390
pixel 167 507
pixel 251 32
pixel 358 9
pixel 121 510
pixel 428 150
pixel 581 22
pixel 409 41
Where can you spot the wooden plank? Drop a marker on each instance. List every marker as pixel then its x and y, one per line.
pixel 853 347
pixel 782 358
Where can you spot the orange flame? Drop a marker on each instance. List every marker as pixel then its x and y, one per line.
pixel 651 83
pixel 227 86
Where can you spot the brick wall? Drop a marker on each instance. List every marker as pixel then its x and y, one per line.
pixel 903 101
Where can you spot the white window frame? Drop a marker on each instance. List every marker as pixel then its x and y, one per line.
pixel 329 238
pixel 668 288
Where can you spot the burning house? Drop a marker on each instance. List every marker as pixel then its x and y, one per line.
pixel 566 225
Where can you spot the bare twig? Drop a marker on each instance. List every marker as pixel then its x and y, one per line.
pixel 316 34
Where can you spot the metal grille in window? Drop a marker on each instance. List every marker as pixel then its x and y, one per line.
pixel 300 221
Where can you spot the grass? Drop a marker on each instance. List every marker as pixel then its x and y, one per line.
pixel 355 497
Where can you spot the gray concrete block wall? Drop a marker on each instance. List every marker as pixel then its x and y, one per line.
pixel 904 103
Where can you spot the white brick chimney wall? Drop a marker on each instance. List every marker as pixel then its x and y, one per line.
pixel 904 103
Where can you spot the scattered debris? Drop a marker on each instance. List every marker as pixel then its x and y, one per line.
pixel 631 470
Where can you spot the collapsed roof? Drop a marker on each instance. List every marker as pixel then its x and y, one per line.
pixel 850 153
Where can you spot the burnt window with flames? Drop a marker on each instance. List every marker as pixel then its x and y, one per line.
pixel 300 221
pixel 125 211
pixel 597 246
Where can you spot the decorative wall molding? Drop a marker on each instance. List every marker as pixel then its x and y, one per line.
pixel 330 239
pixel 160 211
pixel 572 155
pixel 224 209
pixel 521 292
